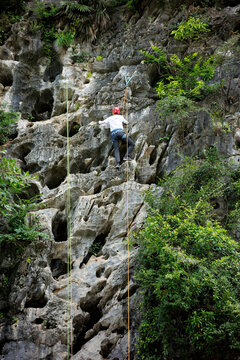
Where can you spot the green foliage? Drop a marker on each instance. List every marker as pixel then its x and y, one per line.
pixel 17 230
pixel 7 18
pixel 188 77
pixel 132 4
pixel 77 106
pixel 188 265
pixel 230 46
pixel 217 112
pixel 65 38
pixel 48 36
pixel 191 29
pixel 72 9
pixel 99 58
pixel 182 81
pixel 199 183
pixel 44 11
pixel 83 56
pixel 189 276
pixel 207 3
pixel 5 281
pixel 176 105
pixel 45 20
pixel 7 119
pixel 85 17
pixel 95 248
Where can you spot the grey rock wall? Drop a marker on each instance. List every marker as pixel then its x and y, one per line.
pixel 44 298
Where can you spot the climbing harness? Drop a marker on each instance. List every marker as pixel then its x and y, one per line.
pixel 69 245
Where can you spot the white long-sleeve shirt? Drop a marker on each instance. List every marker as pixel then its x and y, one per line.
pixel 114 122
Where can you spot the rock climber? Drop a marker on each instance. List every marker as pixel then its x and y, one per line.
pixel 115 123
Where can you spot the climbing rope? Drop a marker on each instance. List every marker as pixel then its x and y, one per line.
pixel 125 104
pixel 69 252
pixel 69 246
pixel 127 80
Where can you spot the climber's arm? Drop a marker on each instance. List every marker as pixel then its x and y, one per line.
pixel 103 121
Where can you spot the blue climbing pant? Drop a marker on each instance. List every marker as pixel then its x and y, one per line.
pixel 119 135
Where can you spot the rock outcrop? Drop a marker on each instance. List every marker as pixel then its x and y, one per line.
pixel 85 290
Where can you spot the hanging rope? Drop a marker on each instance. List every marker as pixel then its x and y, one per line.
pixel 69 246
pixel 127 80
pixel 125 104
pixel 69 252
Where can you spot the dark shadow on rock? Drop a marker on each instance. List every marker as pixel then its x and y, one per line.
pixel 59 227
pixel 73 129
pixel 55 176
pixel 36 302
pixel 43 106
pixel 53 69
pixel 58 267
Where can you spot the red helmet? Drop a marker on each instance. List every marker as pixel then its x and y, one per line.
pixel 116 110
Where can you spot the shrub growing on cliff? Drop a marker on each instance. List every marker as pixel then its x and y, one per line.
pixel 182 81
pixel 65 38
pixel 86 17
pixel 188 267
pixel 16 231
pixel 191 29
pixel 189 276
pixel 7 119
pixel 44 10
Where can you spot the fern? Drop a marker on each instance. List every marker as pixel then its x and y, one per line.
pixel 72 9
pixel 86 17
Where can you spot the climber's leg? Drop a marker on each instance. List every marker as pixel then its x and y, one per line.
pixel 131 145
pixel 116 147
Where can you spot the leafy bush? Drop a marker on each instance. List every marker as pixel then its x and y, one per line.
pixel 191 29
pixel 44 11
pixel 44 15
pixel 16 231
pixel 7 119
pixel 189 275
pixel 200 183
pixel 65 38
pixel 182 81
pixel 86 18
pixel 188 266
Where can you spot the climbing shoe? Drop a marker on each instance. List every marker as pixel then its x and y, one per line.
pixel 117 166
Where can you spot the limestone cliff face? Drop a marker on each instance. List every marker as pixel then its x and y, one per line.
pixel 98 280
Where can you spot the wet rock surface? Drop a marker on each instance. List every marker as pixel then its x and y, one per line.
pixel 86 289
